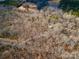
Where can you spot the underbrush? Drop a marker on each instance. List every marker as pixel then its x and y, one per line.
pixel 44 35
pixel 6 24
pixel 6 34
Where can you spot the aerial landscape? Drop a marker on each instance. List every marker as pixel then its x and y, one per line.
pixel 39 29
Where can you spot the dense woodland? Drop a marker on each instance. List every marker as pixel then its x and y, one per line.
pixel 69 4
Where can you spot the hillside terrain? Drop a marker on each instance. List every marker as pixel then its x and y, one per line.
pixel 29 33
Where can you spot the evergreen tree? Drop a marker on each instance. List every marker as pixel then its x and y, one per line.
pixel 69 5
